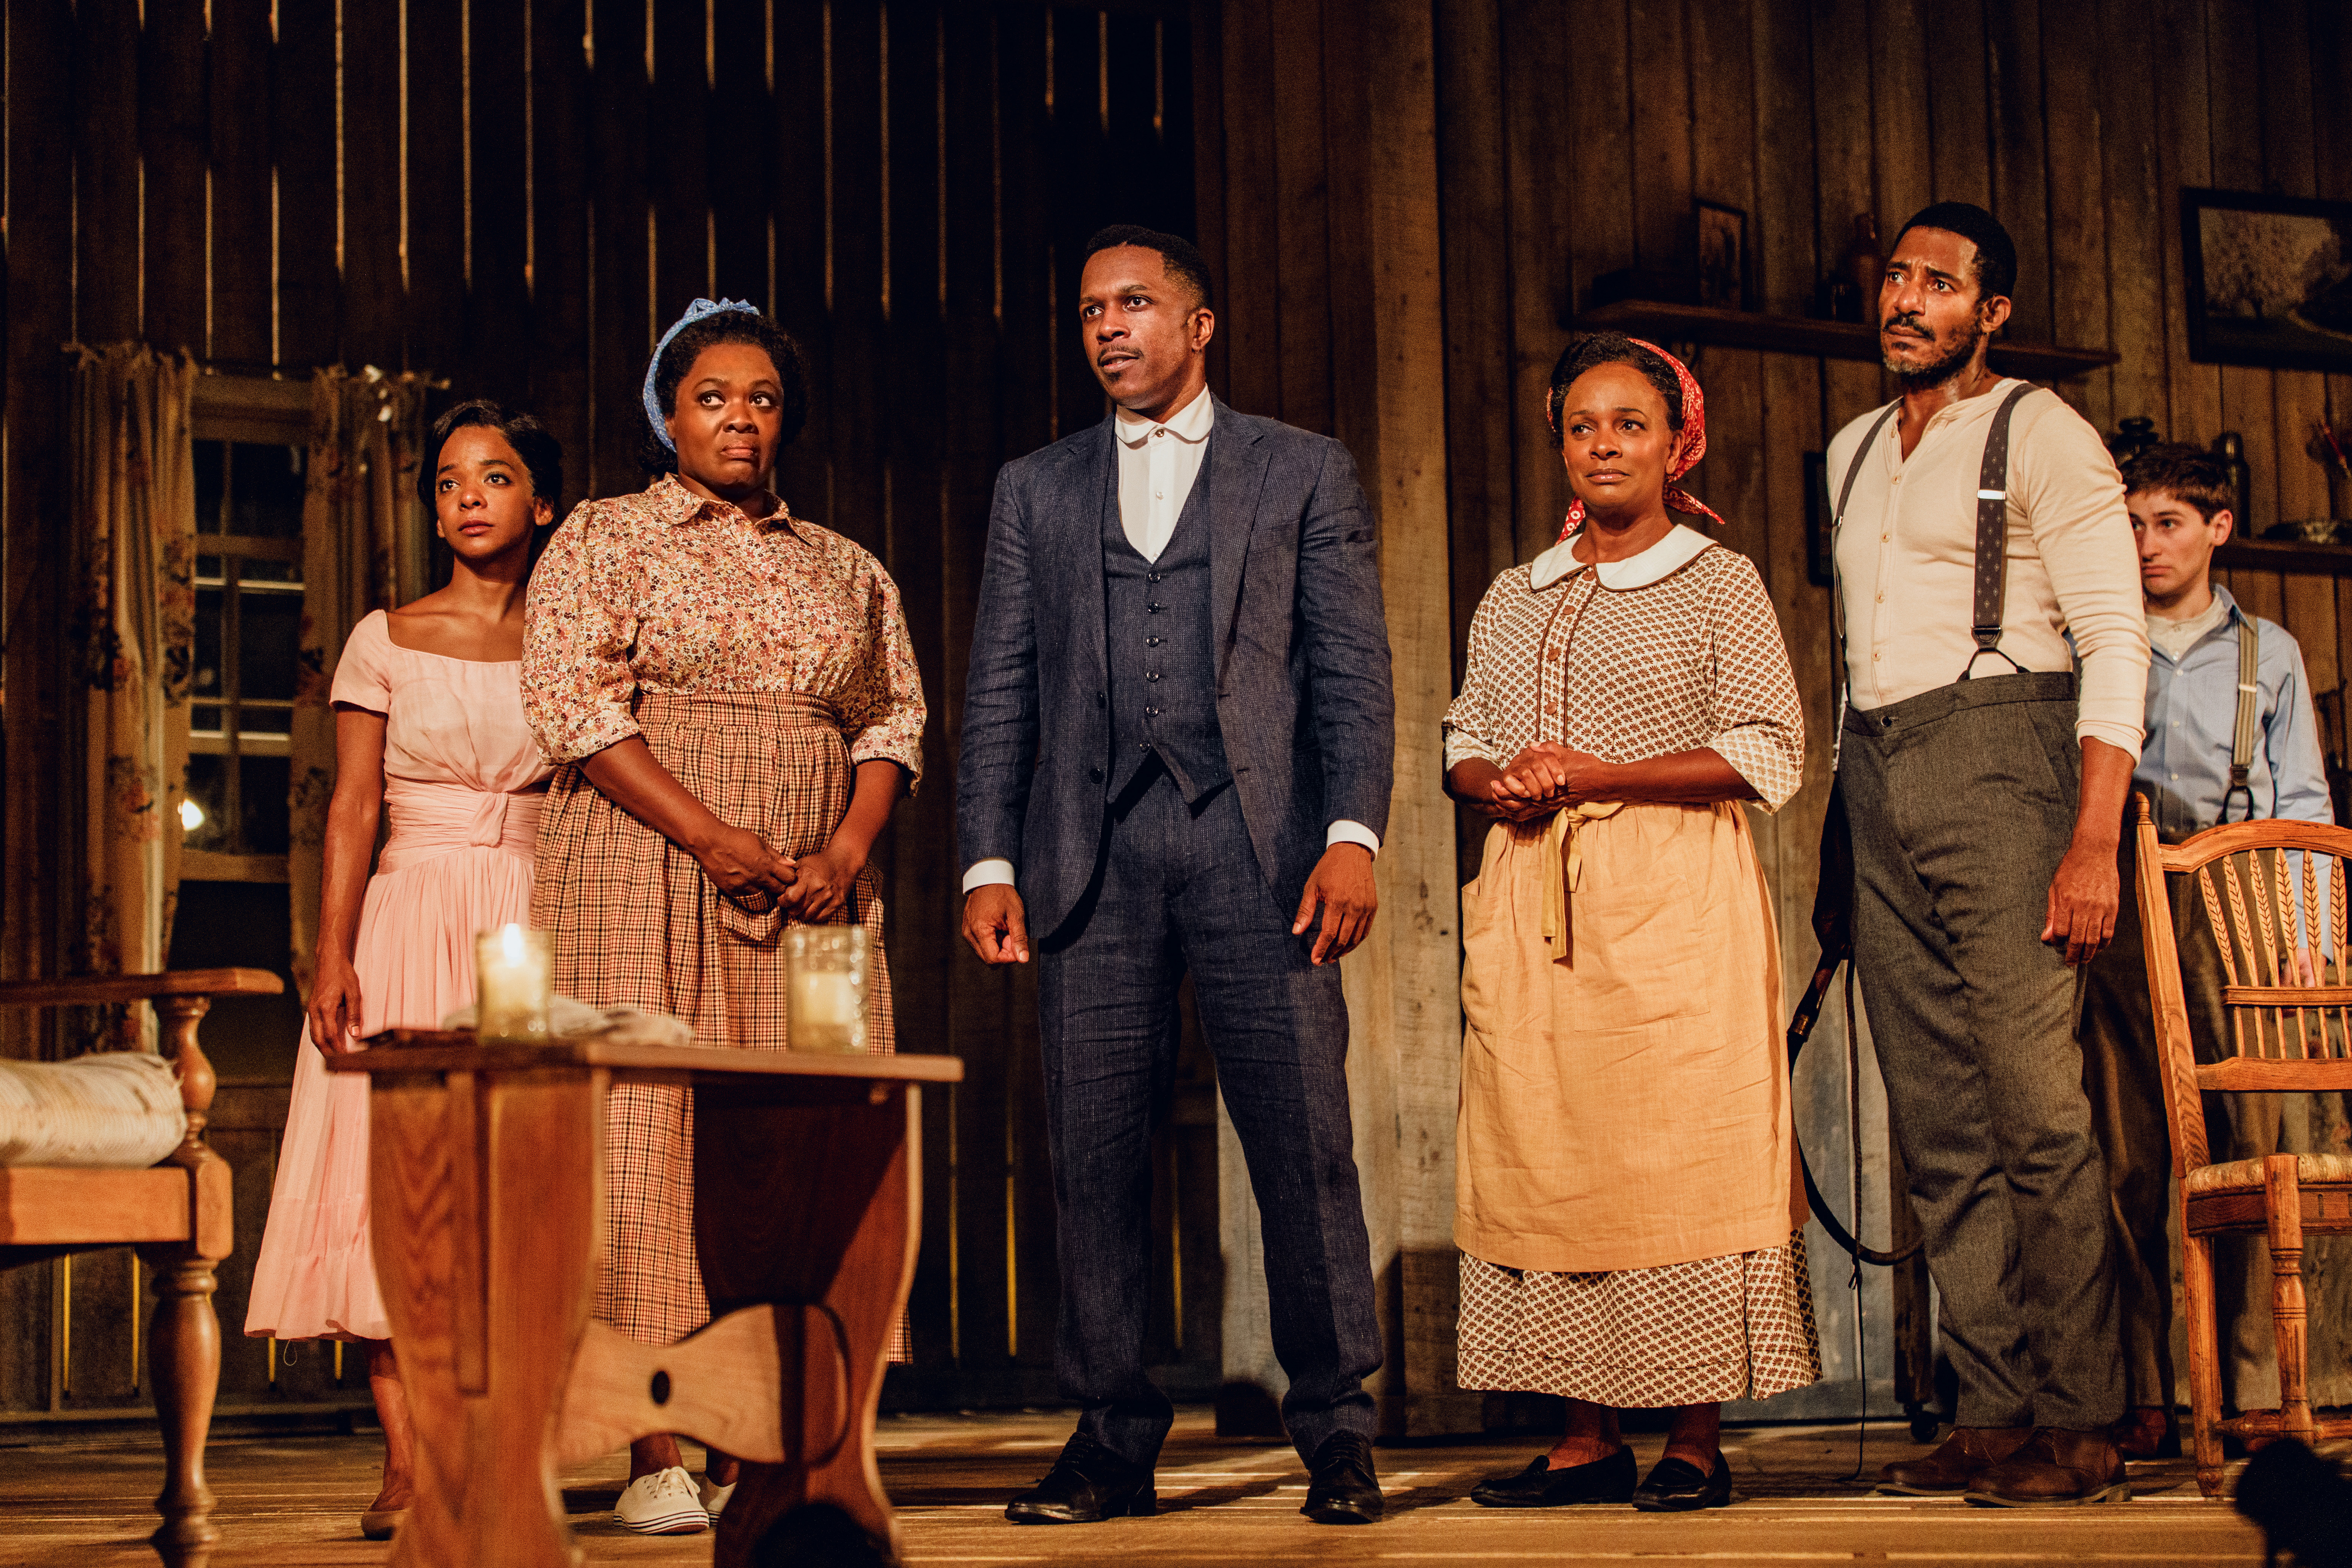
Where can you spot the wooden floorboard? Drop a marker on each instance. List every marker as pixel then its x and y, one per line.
pixel 289 1501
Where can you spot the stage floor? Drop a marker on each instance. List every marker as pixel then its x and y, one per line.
pixel 289 1501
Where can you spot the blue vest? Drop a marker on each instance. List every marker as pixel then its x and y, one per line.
pixel 1164 670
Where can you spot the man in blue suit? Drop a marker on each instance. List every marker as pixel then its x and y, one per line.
pixel 1177 736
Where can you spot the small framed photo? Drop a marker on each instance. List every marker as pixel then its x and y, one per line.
pixel 2269 280
pixel 1722 256
pixel 1820 565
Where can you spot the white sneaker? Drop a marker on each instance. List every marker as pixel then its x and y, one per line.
pixel 714 1496
pixel 663 1503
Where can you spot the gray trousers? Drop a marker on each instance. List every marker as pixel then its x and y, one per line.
pixel 1962 801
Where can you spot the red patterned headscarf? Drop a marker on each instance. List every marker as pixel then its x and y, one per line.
pixel 1694 435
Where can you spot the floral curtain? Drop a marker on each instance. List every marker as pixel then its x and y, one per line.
pixel 133 498
pixel 364 540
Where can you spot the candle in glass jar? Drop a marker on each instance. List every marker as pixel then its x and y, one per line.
pixel 514 985
pixel 826 999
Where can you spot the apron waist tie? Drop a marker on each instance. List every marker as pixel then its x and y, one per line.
pixel 1564 864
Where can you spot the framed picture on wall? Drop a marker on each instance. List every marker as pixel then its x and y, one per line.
pixel 2269 280
pixel 1722 256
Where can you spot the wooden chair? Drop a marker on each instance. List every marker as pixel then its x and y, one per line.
pixel 176 1214
pixel 2263 904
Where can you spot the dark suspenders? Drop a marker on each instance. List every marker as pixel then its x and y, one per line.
pixel 1992 536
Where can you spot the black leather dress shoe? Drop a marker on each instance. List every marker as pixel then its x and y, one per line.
pixel 1086 1485
pixel 1675 1487
pixel 1540 1486
pixel 1341 1485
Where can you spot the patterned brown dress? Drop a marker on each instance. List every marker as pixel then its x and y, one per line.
pixel 1628 1209
pixel 762 662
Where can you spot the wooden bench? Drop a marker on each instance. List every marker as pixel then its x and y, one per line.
pixel 487 1171
pixel 178 1214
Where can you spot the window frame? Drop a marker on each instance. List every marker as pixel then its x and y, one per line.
pixel 251 411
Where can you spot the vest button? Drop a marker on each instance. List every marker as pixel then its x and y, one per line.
pixel 1151 675
pixel 1153 608
pixel 1094 774
pixel 1151 642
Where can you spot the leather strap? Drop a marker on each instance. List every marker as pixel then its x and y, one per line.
pixel 2241 744
pixel 1992 536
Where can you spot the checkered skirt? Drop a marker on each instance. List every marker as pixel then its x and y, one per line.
pixel 1735 1327
pixel 637 922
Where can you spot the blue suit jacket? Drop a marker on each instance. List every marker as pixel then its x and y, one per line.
pixel 1303 698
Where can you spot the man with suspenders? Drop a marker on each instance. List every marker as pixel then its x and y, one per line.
pixel 1980 524
pixel 2231 735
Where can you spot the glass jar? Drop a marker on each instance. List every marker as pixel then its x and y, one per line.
pixel 514 985
pixel 827 1000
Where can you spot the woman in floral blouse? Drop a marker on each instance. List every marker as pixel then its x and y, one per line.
pixel 731 698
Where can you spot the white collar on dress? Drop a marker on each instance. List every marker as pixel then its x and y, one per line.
pixel 1678 549
pixel 1191 423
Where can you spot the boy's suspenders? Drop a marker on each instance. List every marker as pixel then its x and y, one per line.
pixel 2242 743
pixel 1993 548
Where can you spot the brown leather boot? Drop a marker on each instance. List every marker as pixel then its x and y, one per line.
pixel 2146 1432
pixel 2056 1467
pixel 1968 1453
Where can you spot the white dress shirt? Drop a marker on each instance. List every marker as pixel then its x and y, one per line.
pixel 1159 463
pixel 1907 561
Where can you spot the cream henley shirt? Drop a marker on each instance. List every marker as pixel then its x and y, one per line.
pixel 1907 561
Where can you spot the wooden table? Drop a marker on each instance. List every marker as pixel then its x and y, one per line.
pixel 487 1168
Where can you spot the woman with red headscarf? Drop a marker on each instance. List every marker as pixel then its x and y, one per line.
pixel 1628 1206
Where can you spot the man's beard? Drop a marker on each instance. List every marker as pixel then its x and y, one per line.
pixel 1939 370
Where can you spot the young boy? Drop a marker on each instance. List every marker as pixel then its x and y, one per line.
pixel 2178 499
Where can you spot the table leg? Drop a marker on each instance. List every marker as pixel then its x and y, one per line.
pixel 484 1194
pixel 812 1204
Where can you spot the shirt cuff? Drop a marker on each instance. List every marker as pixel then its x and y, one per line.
pixel 1345 832
pixel 988 874
pixel 2126 738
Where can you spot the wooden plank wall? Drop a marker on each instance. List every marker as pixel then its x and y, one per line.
pixel 1574 137
pixel 516 197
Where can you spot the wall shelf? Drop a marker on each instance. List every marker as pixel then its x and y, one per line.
pixel 2284 555
pixel 1824 340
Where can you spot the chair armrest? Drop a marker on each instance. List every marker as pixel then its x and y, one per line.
pixel 93 990
pixel 182 996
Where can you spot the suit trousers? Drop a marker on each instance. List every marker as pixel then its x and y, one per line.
pixel 1178 889
pixel 2121 1074
pixel 1962 803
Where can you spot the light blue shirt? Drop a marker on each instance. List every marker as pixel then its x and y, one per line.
pixel 2192 716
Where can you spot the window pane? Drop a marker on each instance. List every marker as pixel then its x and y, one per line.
pixel 264 720
pixel 211 461
pixel 207 681
pixel 252 570
pixel 265 491
pixel 264 780
pixel 205 719
pixel 269 630
pixel 208 792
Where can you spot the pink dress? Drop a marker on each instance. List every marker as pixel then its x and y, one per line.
pixel 463 784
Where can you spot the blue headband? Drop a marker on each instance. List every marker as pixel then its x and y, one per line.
pixel 694 312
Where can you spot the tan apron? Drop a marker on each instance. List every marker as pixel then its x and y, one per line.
pixel 1624 1083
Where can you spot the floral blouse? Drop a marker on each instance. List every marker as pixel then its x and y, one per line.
pixel 1671 650
pixel 665 592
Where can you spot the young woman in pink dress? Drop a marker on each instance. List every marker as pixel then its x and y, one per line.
pixel 429 728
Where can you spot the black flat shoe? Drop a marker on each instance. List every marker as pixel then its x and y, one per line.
pixel 1341 1485
pixel 1675 1487
pixel 1086 1485
pixel 1540 1486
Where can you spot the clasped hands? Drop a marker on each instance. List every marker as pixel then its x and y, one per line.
pixel 809 888
pixel 1540 781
